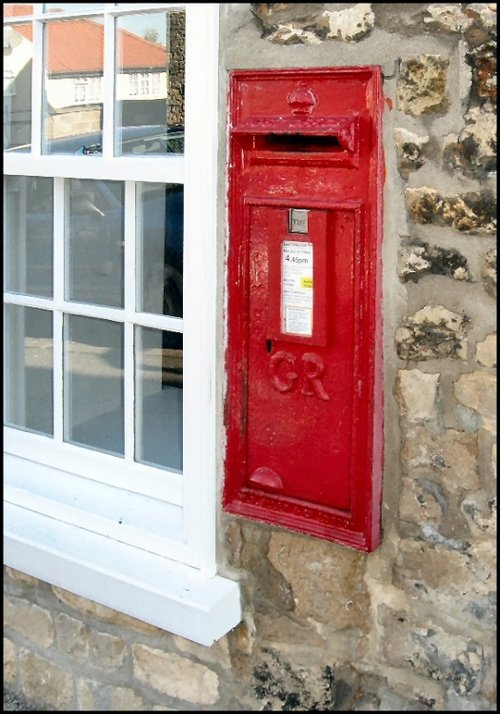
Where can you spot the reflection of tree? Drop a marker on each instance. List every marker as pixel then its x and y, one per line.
pixel 151 35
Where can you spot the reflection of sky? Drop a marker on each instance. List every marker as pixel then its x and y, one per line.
pixel 138 24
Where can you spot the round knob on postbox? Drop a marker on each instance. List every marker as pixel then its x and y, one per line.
pixel 302 99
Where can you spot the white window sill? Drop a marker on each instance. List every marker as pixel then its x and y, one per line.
pixel 151 588
pixel 128 555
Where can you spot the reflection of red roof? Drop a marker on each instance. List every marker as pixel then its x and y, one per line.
pixel 76 46
pixel 14 9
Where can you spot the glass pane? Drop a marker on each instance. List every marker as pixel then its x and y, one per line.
pixel 159 398
pixel 73 86
pixel 93 383
pixel 95 224
pixel 72 6
pixel 28 219
pixel 17 69
pixel 150 63
pixel 28 371
pixel 160 216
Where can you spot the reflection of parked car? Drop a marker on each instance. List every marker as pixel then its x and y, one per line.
pixel 135 140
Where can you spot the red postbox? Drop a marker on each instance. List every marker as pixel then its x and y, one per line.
pixel 304 349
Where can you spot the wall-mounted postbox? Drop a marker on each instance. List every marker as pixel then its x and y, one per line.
pixel 304 390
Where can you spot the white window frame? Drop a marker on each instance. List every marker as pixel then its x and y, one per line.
pixel 64 506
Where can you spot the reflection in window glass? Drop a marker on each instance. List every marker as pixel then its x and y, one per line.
pixel 93 383
pixel 150 83
pixel 28 219
pixel 17 68
pixel 73 86
pixel 94 242
pixel 17 9
pixel 159 244
pixel 158 398
pixel 28 369
pixel 72 6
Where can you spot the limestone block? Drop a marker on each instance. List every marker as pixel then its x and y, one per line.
pixel 281 686
pixel 281 630
pixel 311 23
pixel 418 258
pixel 434 573
pixel 9 662
pixel 22 577
pixel 465 703
pixel 418 394
pixel 434 332
pixel 103 613
pixel 477 390
pixel 483 563
pixel 46 682
pixel 30 620
pixel 124 699
pixel 449 458
pixel 484 13
pixel 486 351
pixel 459 583
pixel 418 503
pixel 85 694
pixel 479 510
pixel 269 589
pixel 218 653
pixel 273 14
pixel 421 85
pixel 73 636
pixel 351 24
pixel 411 150
pixel 242 637
pixel 289 35
pixel 106 651
pixel 475 150
pixel 175 676
pixel 399 18
pixel 482 59
pixel 446 18
pixel 473 212
pixel 326 581
pixel 431 652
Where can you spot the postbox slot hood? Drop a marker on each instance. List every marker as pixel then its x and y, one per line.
pixel 344 129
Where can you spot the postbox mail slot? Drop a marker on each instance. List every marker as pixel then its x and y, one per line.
pixel 299 142
pixel 303 405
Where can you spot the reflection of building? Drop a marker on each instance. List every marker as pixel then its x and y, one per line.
pixel 17 57
pixel 74 84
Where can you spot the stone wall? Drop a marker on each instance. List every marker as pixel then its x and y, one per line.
pixel 411 625
pixel 176 68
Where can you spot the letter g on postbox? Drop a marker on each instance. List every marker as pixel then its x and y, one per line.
pixel 304 358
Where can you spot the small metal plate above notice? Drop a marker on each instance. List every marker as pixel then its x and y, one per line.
pixel 297 220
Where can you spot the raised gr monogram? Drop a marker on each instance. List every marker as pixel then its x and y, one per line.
pixel 288 371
